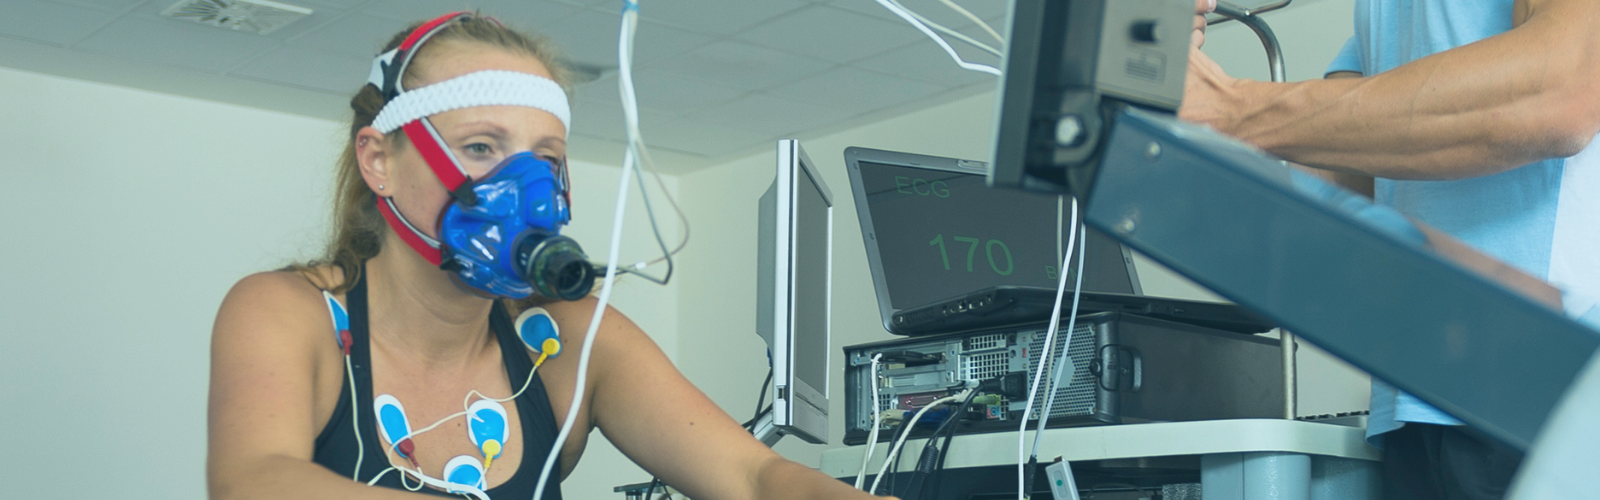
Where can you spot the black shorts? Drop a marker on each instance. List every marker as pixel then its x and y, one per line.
pixel 1445 462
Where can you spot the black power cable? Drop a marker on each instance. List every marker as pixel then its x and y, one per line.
pixel 762 398
pixel 894 435
pixel 931 463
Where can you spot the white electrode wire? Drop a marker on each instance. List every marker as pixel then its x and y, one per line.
pixel 963 11
pixel 1066 349
pixel 465 405
pixel 361 449
pixel 630 16
pixel 895 450
pixel 899 11
pixel 877 421
pixel 1044 356
pixel 434 482
pixel 466 402
pixel 952 33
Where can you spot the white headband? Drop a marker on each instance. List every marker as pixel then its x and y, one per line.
pixel 482 88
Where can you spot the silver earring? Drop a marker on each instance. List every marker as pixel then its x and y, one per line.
pixel 380 187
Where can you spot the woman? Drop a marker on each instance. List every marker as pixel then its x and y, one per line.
pixel 292 398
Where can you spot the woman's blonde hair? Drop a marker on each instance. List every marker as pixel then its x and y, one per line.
pixel 357 229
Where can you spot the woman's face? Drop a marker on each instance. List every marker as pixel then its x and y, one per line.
pixel 480 137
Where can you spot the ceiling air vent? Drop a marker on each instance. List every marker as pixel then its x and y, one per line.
pixel 254 16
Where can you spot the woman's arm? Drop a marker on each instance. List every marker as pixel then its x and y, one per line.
pixel 1521 96
pixel 271 343
pixel 661 421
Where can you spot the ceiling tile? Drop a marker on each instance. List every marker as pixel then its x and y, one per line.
pixel 115 5
pixel 313 4
pixel 50 22
pixel 722 17
pixel 741 64
pixel 411 11
pixel 177 43
pixel 677 94
pixel 335 73
pixel 931 9
pixel 984 9
pixel 516 13
pixel 359 35
pixel 591 37
pixel 604 119
pixel 831 34
pixel 869 7
pixel 525 14
pixel 926 62
pixel 602 90
pixel 704 138
pixel 770 113
pixel 858 89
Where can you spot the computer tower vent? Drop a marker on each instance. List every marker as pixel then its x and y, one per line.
pixel 982 342
pixel 1073 398
pixel 986 366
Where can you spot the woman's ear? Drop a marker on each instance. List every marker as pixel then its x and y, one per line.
pixel 373 154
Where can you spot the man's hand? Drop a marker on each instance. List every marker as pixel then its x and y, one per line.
pixel 1207 89
pixel 1521 96
pixel 1201 8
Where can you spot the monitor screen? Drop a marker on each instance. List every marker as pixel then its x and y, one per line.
pixel 813 223
pixel 942 233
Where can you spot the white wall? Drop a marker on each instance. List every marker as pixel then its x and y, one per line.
pixel 128 215
pixel 719 350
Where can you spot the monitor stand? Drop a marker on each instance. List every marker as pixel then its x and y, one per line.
pixel 766 432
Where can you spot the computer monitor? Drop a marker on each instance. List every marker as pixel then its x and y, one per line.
pixel 794 287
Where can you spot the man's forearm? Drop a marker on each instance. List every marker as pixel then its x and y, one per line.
pixel 1525 95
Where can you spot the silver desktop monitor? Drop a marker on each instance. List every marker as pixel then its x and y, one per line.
pixel 794 287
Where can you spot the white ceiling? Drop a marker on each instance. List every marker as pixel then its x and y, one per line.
pixel 717 79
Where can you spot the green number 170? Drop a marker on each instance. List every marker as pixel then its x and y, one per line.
pixel 972 250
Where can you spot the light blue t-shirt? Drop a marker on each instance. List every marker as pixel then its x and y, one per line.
pixel 1543 218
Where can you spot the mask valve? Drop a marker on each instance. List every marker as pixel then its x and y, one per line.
pixel 556 267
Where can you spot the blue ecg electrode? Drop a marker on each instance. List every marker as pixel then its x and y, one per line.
pixel 486 425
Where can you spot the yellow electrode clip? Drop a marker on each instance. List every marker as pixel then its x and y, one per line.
pixel 491 449
pixel 550 348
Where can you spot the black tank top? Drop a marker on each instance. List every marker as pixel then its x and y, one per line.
pixel 336 446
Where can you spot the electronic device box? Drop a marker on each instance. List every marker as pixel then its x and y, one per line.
pixel 1125 369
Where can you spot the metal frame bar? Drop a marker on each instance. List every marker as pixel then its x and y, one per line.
pixel 1225 215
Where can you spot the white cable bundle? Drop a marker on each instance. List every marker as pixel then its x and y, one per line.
pixel 630 20
pixel 1044 355
pixel 889 459
pixel 877 421
pixel 1066 347
pixel 906 14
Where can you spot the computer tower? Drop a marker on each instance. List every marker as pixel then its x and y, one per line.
pixel 1125 369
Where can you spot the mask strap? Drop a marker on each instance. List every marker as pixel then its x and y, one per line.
pixel 386 71
pixel 566 184
pixel 441 160
pixel 425 246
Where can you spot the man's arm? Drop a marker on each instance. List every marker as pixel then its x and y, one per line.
pixel 1357 182
pixel 1525 95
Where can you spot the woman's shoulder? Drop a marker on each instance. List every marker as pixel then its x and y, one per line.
pixel 573 317
pixel 279 305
